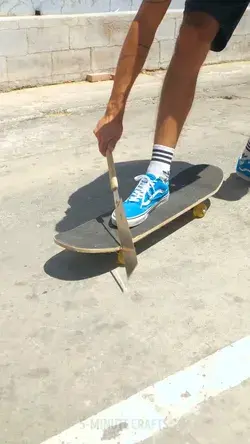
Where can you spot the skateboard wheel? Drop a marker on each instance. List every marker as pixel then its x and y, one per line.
pixel 200 210
pixel 120 258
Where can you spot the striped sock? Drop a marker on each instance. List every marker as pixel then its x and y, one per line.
pixel 246 152
pixel 161 161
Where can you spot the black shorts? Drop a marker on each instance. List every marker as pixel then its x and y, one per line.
pixel 228 13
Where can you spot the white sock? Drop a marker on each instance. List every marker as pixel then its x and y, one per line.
pixel 246 152
pixel 161 161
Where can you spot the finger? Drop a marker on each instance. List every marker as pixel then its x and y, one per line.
pixel 101 144
pixel 103 148
pixel 106 147
pixel 111 146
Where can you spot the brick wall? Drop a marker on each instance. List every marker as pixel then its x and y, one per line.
pixel 54 49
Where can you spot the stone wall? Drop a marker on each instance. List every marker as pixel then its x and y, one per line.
pixel 54 49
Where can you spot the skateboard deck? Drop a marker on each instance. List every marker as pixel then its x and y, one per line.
pixel 188 190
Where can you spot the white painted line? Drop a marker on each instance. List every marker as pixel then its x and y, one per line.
pixel 163 404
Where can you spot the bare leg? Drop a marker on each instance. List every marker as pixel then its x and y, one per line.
pixel 193 44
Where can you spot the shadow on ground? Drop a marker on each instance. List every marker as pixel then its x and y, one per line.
pixel 233 188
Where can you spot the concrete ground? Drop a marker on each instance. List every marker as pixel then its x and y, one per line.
pixel 72 343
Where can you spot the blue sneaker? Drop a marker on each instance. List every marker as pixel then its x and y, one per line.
pixel 243 168
pixel 148 194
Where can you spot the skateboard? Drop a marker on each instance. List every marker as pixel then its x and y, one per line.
pixel 189 190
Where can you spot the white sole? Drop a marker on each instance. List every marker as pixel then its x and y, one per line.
pixel 137 221
pixel 243 176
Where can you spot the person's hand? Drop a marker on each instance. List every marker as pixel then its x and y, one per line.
pixel 108 131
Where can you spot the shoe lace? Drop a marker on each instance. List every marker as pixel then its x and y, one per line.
pixel 145 186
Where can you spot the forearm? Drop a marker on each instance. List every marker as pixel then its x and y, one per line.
pixel 134 52
pixel 132 58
